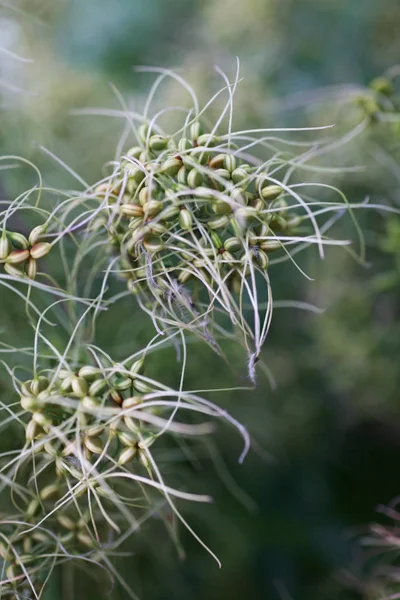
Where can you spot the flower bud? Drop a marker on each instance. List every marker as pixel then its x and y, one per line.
pixel 36 234
pixel 171 167
pixel 94 444
pixel 233 244
pixel 153 207
pixel 206 139
pixel 239 175
pixel 217 161
pixel 131 210
pixel 218 222
pixel 194 178
pixel 40 249
pixel 229 162
pixel 195 130
pixel 127 455
pixel 89 373
pixel 153 244
pixel 157 143
pixel 185 219
pixel 31 268
pixel 137 367
pixel 184 144
pixel 16 257
pixel 39 384
pixel 79 386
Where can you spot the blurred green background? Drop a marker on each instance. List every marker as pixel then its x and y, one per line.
pixel 327 438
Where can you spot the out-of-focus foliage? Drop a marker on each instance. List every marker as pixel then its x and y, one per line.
pixel 327 439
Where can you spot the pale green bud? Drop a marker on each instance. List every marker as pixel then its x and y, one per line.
pixel 5 246
pixel 158 143
pixel 40 249
pixel 16 257
pixel 194 178
pixel 171 167
pixel 185 219
pixel 18 240
pixel 36 234
pixel 31 268
pixel 270 192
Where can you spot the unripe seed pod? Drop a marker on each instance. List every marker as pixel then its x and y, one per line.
pixel 136 173
pixel 39 384
pixel 50 449
pixel 97 387
pixel 66 522
pixel 16 257
pixel 218 222
pixel 31 268
pixel 127 455
pixel 227 257
pixel 220 207
pixel 195 130
pixel 134 152
pixel 36 234
pixel 245 212
pixel 127 439
pixel 30 403
pixel 131 188
pixel 153 207
pixel 89 373
pixel 278 223
pixel 262 259
pixel 258 204
pixel 42 420
pixel 293 222
pixel 144 195
pixel 131 210
pixel 185 219
pixel 182 175
pixel 26 388
pixel 94 444
pixel 158 143
pixel 216 240
pixel 142 387
pixel 13 271
pixel 94 430
pixel 230 162
pixel 157 227
pixel 270 192
pixel 144 158
pixel 184 144
pixel 50 491
pixel 131 425
pixel 153 244
pixel 132 402
pixel 171 167
pixel 239 197
pixel 66 384
pixel 184 276
pixel 32 430
pixel 217 161
pixel 5 246
pixel 239 175
pixel 194 178
pixel 206 139
pixel 27 545
pixel 233 244
pixel 170 212
pixel 123 384
pixel 40 249
pixel 143 131
pixel 18 240
pixel 135 222
pixel 116 397
pixel 270 245
pixel 79 386
pixel 223 173
pixel 11 573
pixel 137 367
pixel 89 403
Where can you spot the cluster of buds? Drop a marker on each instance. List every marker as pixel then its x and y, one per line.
pixel 19 254
pixel 190 212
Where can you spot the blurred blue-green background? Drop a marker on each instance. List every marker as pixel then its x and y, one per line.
pixel 327 438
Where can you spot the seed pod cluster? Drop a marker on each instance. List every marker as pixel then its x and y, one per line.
pixel 188 213
pixel 19 255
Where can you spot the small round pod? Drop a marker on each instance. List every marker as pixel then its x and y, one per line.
pixel 184 276
pixel 30 403
pixel 32 431
pixel 79 386
pixel 233 244
pixel 153 207
pixel 143 132
pixel 31 268
pixel 39 384
pixel 89 403
pixel 218 222
pixel 194 178
pixel 184 144
pixel 271 192
pixel 171 167
pixel 135 173
pixel 123 383
pixel 134 152
pixel 131 210
pixel 216 240
pixel 89 372
pixel 5 246
pixel 153 244
pixel 186 219
pixel 239 196
pixel 127 455
pixel 217 161
pixel 220 207
pixel 158 143
pixel 182 175
pixel 116 396
pixel 40 249
pixel 127 438
pixel 196 130
pixel 229 162
pixel 142 386
pixel 36 233
pixel 132 402
pixel 66 522
pixel 239 175
pixel 157 227
pixel 17 257
pixel 270 245
pixel 18 240
pixel 66 384
pixel 170 212
pixel 262 259
pixel 94 444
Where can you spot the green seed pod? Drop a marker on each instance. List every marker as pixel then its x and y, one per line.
pixel 18 240
pixel 26 388
pixel 137 367
pixel 66 384
pixel 30 403
pixel 142 387
pixel 39 384
pixel 153 244
pixel 227 257
pixel 278 223
pixel 64 373
pixel 293 222
pixel 116 397
pixel 5 246
pixel 134 152
pixel 36 234
pixel 13 271
pixel 136 173
pixel 182 175
pixel 239 175
pixel 31 268
pixel 170 212
pixel 94 430
pixel 143 131
pixel 239 197
pixel 153 207
pixel 127 455
pixel 79 386
pixel 94 444
pixel 184 276
pixel 206 139
pixel 217 161
pixel 144 195
pixel 195 130
pixel 85 540
pixel 145 157
pixel 50 491
pixel 40 249
pixel 135 222
pixel 245 212
pixel 16 257
pixel 230 162
pixel 131 210
pixel 233 244
pixel 66 522
pixel 220 207
pixel 171 167
pixel 271 192
pixel 32 430
pixel 132 425
pixel 262 259
pixel 203 157
pixel 218 222
pixel 89 373
pixel 89 403
pixel 216 240
pixel 270 245
pixel 258 204
pixel 157 227
pixel 194 178
pixel 185 219
pixel 50 449
pixel 132 402
pixel 127 439
pixel 158 143
pixel 123 384
pixel 184 144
